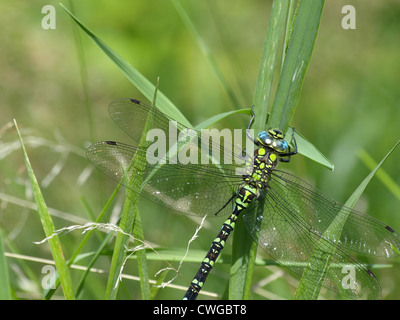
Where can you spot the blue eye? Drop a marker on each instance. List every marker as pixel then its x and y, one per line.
pixel 274 140
pixel 263 135
pixel 281 146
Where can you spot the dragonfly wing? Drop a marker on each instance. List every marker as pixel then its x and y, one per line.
pixel 360 232
pixel 191 188
pixel 136 118
pixel 292 242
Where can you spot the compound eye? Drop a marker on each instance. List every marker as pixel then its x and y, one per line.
pixel 265 138
pixel 274 140
pixel 280 145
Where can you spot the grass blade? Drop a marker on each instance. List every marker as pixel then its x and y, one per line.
pixel 121 243
pixel 357 193
pixel 48 294
pixel 307 149
pixel 130 221
pixel 387 180
pixel 262 93
pixel 84 78
pixel 141 257
pixel 244 248
pixel 289 87
pixel 298 56
pixel 134 76
pixel 48 227
pixel 206 51
pixel 214 119
pixel 5 288
pixel 295 65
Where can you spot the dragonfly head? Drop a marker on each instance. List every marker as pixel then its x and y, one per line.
pixel 274 139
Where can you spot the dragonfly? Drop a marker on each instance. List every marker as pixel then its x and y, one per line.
pixel 180 168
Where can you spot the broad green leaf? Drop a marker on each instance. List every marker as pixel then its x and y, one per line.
pixel 307 149
pixel 273 38
pixel 298 56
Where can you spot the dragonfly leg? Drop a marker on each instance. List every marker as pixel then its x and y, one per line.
pixel 291 152
pixel 253 115
pixel 230 199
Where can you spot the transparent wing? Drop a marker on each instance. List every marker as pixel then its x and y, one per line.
pixel 191 188
pixel 291 228
pixel 136 118
pixel 360 232
pixel 169 163
pixel 292 242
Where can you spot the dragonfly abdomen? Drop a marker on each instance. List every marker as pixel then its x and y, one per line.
pixel 245 196
pixel 264 161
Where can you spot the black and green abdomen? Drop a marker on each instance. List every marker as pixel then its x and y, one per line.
pixel 257 178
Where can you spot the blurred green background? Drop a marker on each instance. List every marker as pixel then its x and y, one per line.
pixel 350 100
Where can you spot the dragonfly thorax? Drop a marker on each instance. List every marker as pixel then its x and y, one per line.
pixel 264 161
